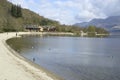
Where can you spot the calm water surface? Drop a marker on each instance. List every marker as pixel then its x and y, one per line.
pixel 74 58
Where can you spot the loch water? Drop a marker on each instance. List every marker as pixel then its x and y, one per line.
pixel 73 58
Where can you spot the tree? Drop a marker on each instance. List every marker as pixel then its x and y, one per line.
pixel 16 11
pixel 8 27
pixel 91 29
pixel 19 11
pixel 44 22
pixel 13 11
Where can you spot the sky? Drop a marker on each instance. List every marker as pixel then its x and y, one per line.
pixel 72 11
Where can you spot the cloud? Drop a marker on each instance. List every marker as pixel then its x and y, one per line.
pixel 97 9
pixel 107 7
pixel 72 11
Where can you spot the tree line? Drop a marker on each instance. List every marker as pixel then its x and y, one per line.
pixel 16 11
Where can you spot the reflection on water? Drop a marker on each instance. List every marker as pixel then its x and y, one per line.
pixel 74 58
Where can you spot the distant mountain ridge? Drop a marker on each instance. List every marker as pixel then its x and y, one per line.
pixel 108 23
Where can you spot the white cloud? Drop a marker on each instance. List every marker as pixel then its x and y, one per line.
pixel 72 11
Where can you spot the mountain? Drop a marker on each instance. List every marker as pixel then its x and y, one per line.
pixel 7 21
pixel 108 23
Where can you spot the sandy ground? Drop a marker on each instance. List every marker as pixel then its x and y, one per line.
pixel 15 68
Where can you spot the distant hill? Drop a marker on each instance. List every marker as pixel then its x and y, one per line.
pixel 28 17
pixel 108 23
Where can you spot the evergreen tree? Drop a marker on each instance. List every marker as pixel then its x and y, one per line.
pixel 12 10
pixel 16 11
pixel 19 12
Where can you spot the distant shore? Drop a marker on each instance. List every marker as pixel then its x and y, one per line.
pixel 51 33
pixel 15 67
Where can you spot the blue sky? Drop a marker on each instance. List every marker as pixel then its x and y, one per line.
pixel 72 11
